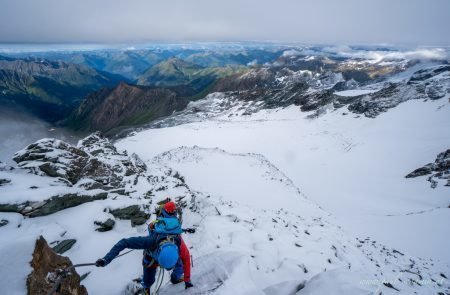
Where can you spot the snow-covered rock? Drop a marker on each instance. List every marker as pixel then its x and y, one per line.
pixel 439 170
pixel 53 175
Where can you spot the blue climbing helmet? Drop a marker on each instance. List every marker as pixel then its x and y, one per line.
pixel 167 255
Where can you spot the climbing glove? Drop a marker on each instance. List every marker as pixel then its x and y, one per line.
pixel 100 262
pixel 188 285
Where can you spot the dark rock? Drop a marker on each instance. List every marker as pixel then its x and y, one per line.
pixel 56 204
pixel 4 181
pixel 427 169
pixel 440 169
pixel 100 172
pixel 83 276
pixel 95 185
pixel 56 158
pixel 50 170
pixel 45 265
pixel 426 74
pixel 313 101
pixel 105 226
pixel 132 213
pixel 3 222
pixel 59 159
pixel 64 246
pixel 10 207
pixel 120 192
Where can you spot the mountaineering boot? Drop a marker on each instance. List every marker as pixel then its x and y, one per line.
pixel 177 281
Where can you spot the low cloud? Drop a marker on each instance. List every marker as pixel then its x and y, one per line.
pixel 17 130
pixel 423 22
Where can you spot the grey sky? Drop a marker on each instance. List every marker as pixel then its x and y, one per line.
pixel 424 22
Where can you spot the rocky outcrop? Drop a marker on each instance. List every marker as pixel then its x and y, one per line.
pixel 90 171
pixel 54 158
pixel 283 84
pixel 4 181
pixel 59 203
pixel 439 170
pixel 105 226
pixel 64 246
pixel 132 213
pixel 95 160
pixel 425 74
pixel 46 266
pixel 52 205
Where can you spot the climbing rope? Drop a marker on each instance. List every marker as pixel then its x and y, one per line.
pixel 159 281
pixel 63 273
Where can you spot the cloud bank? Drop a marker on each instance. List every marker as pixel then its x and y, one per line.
pixel 321 21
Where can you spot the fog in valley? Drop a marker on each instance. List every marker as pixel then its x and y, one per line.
pixel 19 130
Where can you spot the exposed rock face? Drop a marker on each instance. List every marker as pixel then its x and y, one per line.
pixel 133 213
pixel 4 181
pixel 3 222
pixel 45 265
pixel 440 169
pixel 105 226
pixel 54 158
pixel 59 203
pixel 90 172
pixel 64 246
pixel 425 74
pixel 278 86
pixel 51 205
pixel 125 105
pixel 95 159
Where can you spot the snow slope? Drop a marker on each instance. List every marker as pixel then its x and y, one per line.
pixel 283 202
pixel 267 238
pixel 256 234
pixel 352 166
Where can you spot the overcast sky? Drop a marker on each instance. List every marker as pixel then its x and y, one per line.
pixel 418 22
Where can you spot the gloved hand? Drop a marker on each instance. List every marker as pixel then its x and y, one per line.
pixel 100 262
pixel 188 285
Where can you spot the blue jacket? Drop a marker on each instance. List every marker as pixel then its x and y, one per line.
pixel 150 242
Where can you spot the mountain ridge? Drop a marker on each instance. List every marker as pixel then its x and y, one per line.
pixel 124 106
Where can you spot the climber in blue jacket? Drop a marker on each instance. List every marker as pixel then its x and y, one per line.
pixel 160 249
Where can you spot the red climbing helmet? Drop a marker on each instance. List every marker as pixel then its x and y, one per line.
pixel 170 207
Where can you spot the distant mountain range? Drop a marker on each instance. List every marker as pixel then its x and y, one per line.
pixel 188 78
pixel 133 63
pixel 48 89
pixel 109 90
